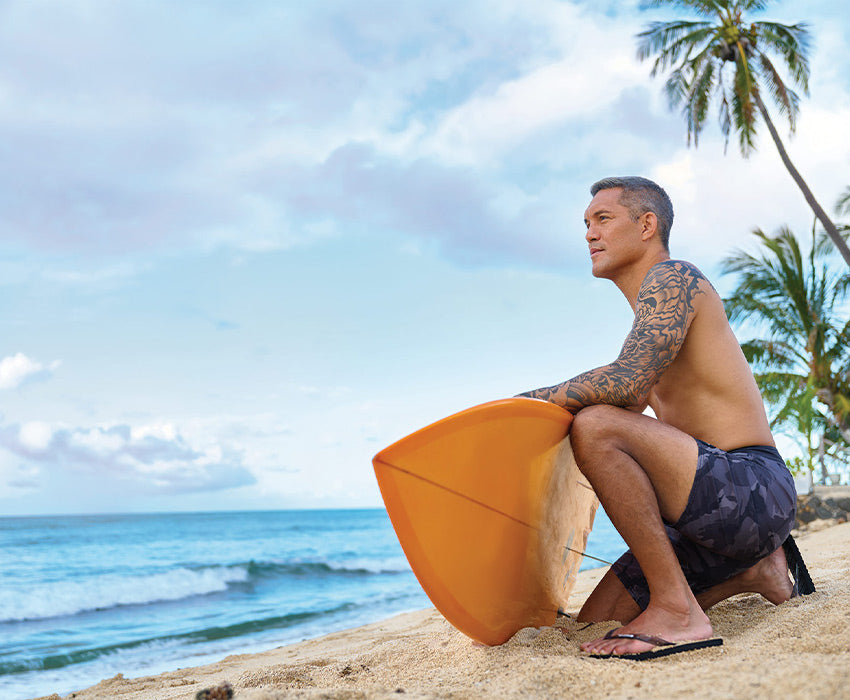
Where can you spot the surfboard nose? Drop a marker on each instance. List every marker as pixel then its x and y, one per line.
pixel 483 503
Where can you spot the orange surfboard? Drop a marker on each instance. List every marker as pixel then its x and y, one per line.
pixel 492 514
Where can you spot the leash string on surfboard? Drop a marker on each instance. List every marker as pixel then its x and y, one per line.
pixel 484 505
pixel 589 556
pixel 561 611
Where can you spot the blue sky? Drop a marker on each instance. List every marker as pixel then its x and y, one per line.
pixel 245 246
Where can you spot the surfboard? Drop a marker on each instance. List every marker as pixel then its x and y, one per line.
pixel 492 513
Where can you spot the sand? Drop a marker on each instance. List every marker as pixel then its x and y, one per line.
pixel 800 649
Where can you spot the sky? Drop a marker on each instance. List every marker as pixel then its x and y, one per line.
pixel 245 246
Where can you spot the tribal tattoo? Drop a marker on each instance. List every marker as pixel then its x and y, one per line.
pixel 663 314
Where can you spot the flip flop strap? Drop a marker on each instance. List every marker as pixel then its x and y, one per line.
pixel 648 638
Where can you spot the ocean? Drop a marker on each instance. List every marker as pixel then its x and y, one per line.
pixel 83 598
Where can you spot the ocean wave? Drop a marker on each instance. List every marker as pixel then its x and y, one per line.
pixel 321 568
pixel 72 597
pixel 195 637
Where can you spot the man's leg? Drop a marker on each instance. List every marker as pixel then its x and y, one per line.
pixel 642 470
pixel 609 601
pixel 769 577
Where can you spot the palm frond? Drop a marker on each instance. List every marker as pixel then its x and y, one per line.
pixel 670 40
pixel 704 7
pixel 754 5
pixel 676 88
pixel 724 111
pixel 743 105
pixel 824 244
pixel 785 98
pixel 842 206
pixel 797 301
pixel 699 98
pixel 791 42
pixel 764 354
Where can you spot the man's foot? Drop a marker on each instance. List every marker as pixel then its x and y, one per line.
pixel 769 577
pixel 689 626
pixel 660 647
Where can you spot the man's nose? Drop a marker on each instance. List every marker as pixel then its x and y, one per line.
pixel 590 235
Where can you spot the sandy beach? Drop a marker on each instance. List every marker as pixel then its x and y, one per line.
pixel 800 649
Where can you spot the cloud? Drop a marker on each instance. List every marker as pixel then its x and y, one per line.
pixel 186 127
pixel 567 89
pixel 18 370
pixel 471 131
pixel 156 459
pixel 158 140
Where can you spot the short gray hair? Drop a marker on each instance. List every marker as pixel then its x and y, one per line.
pixel 639 196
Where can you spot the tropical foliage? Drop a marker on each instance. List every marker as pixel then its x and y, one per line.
pixel 842 206
pixel 727 59
pixel 802 358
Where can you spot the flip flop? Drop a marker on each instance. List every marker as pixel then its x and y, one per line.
pixel 663 647
pixel 803 584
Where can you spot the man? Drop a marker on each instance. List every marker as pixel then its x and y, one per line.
pixel 700 494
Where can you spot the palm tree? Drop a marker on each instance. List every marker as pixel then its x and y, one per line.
pixel 700 50
pixel 804 358
pixel 798 416
pixel 842 206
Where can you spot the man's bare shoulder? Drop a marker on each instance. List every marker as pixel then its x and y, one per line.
pixel 673 285
pixel 675 273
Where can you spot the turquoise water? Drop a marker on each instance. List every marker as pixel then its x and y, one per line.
pixel 83 598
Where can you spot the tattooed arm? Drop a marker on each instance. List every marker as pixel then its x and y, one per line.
pixel 663 314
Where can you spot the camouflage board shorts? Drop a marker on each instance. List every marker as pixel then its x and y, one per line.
pixel 740 510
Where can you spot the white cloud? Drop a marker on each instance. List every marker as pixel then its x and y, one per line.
pixel 35 436
pixel 18 369
pixel 436 121
pixel 152 458
pixel 105 277
pixel 206 134
pixel 574 87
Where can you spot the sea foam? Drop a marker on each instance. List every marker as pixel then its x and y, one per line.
pixel 71 597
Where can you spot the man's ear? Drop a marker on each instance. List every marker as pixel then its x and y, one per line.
pixel 649 225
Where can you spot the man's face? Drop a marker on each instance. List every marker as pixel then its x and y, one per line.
pixel 612 236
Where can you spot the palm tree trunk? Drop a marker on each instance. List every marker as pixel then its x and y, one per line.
pixel 831 230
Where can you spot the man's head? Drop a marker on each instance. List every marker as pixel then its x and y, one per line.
pixel 640 196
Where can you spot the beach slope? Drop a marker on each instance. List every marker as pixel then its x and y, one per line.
pixel 800 649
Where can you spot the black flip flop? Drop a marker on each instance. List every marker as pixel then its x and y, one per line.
pixel 662 646
pixel 803 584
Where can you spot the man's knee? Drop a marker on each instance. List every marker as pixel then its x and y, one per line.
pixel 591 429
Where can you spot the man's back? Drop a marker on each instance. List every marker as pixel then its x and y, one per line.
pixel 708 391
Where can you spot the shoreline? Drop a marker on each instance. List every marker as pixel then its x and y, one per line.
pixel 800 649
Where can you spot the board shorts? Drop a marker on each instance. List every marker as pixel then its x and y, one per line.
pixel 740 509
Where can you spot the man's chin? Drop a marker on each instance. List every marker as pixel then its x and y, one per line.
pixel 598 271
